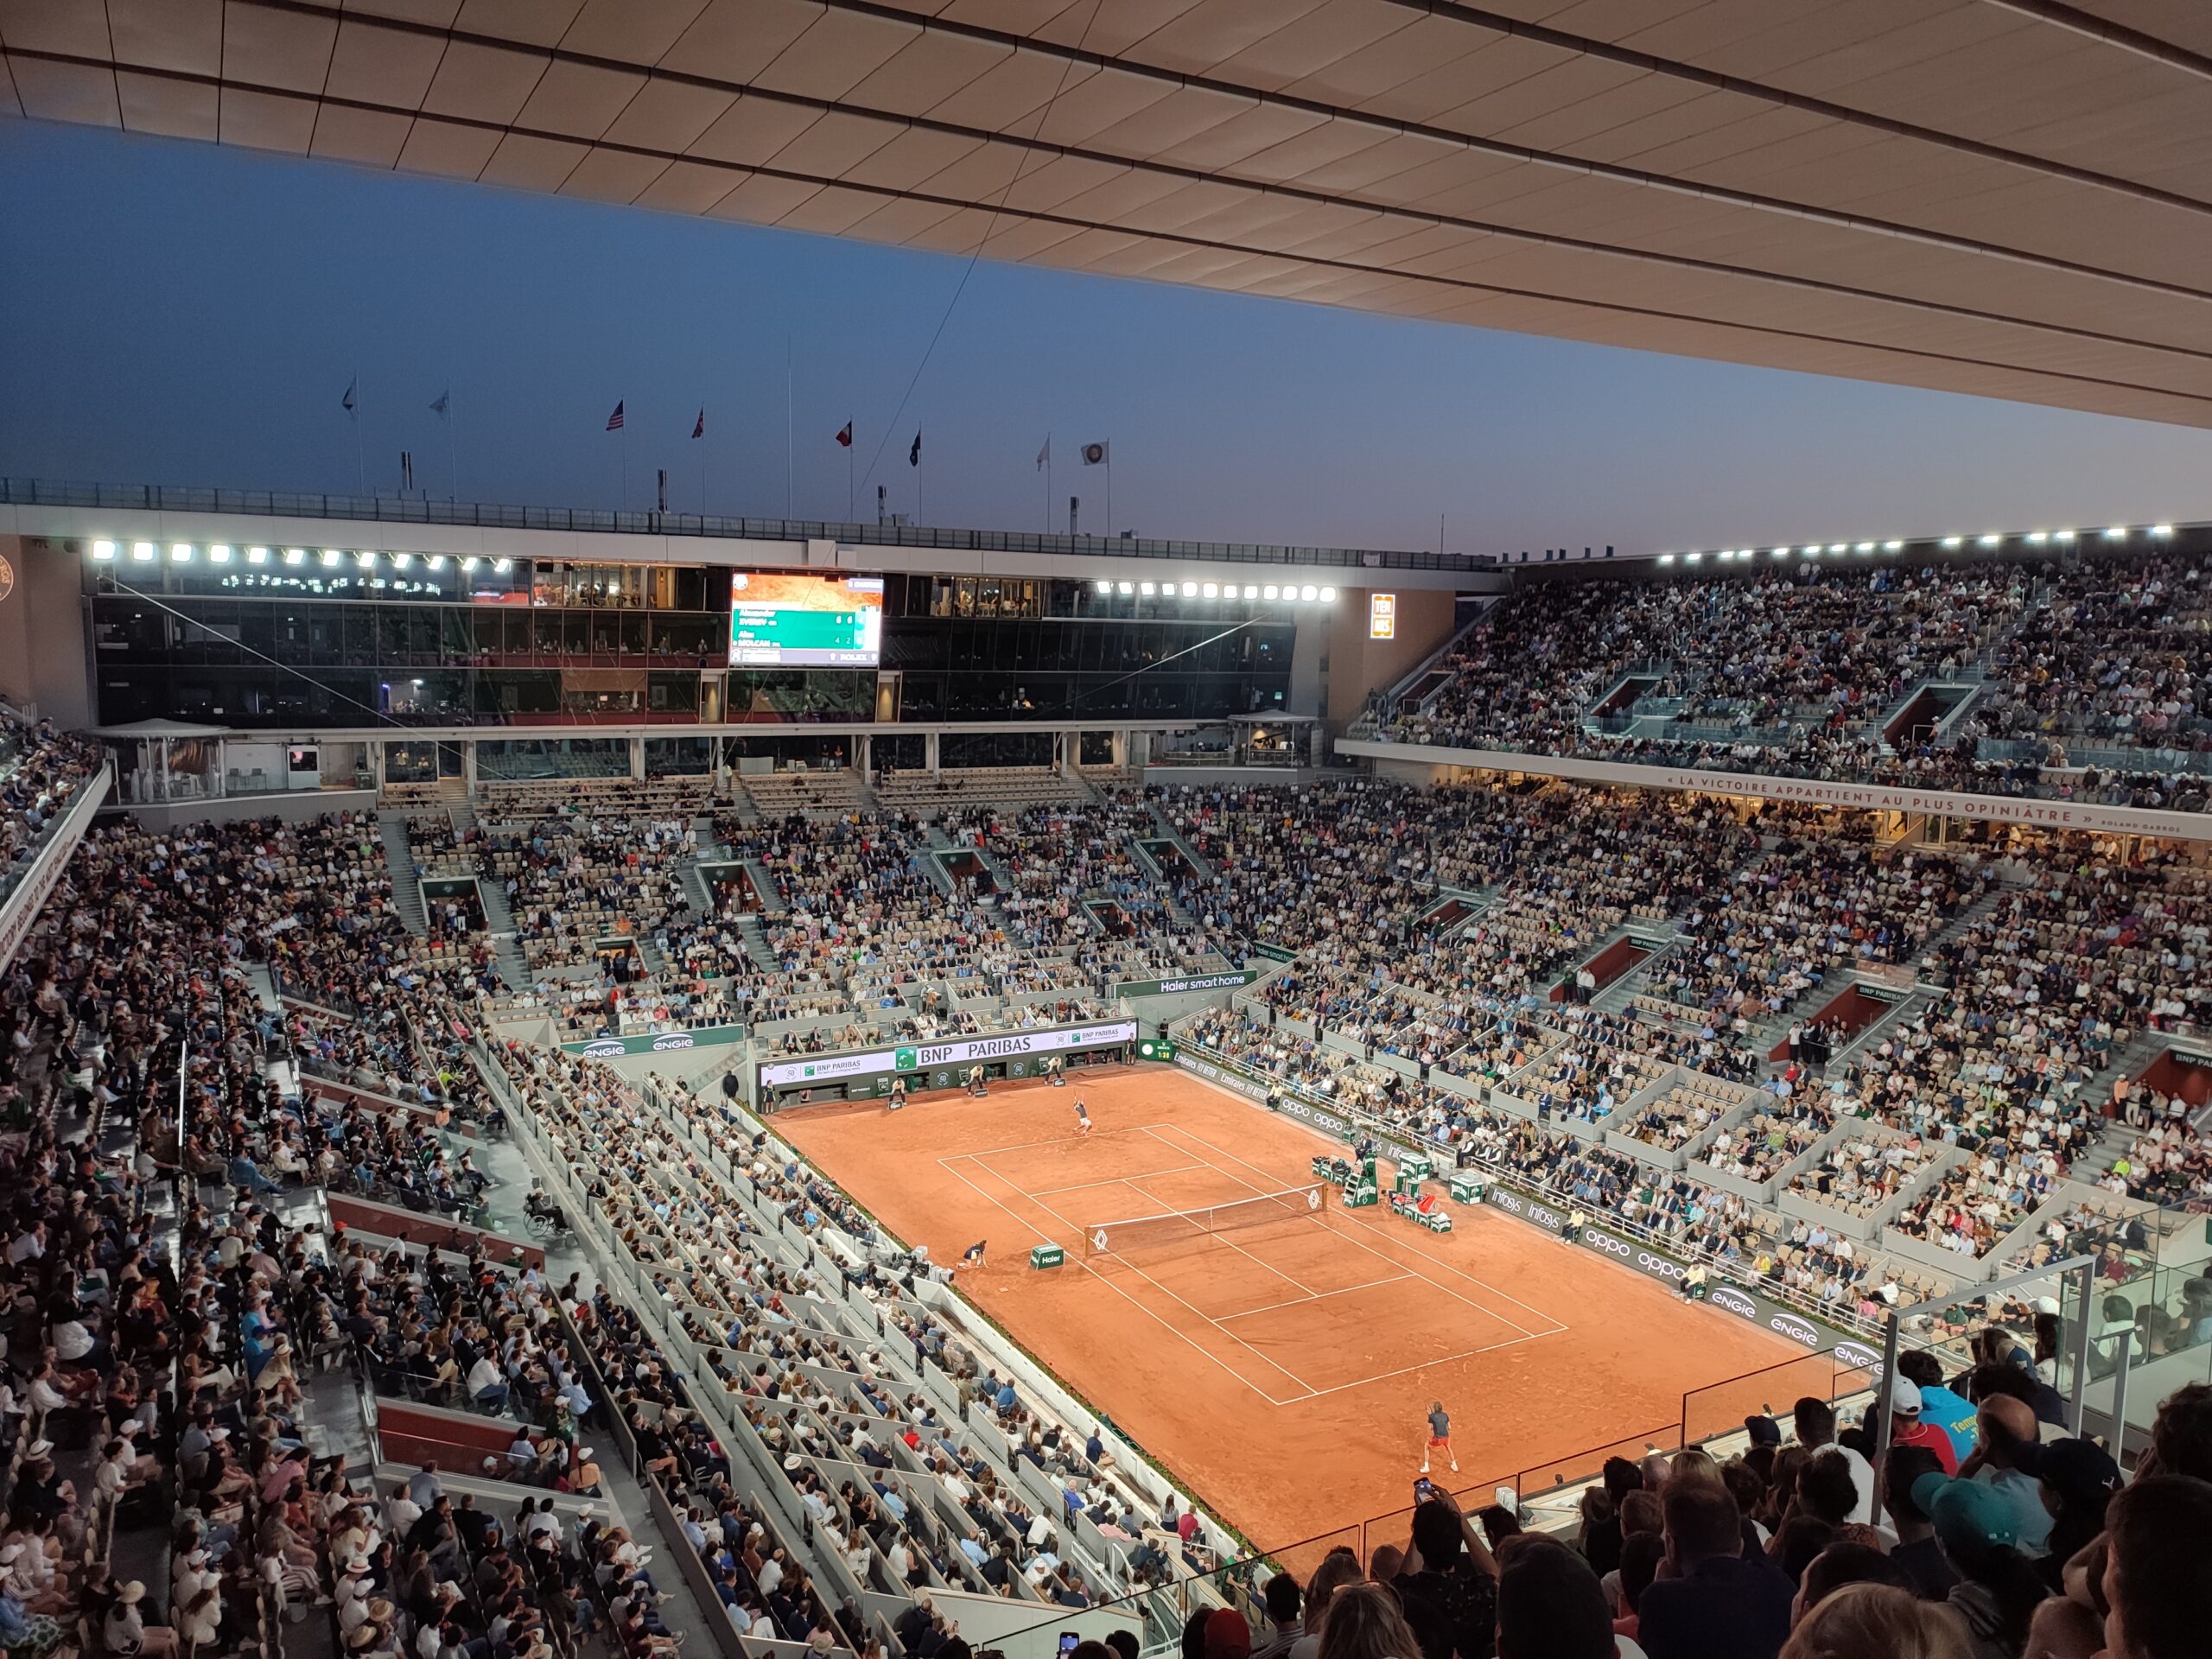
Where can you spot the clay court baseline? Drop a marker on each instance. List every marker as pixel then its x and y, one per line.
pixel 1258 1287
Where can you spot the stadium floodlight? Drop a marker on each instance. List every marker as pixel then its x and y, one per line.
pixel 1864 547
pixel 1211 590
pixel 1105 585
pixel 1990 540
pixel 1953 541
pixel 143 552
pixel 2061 535
pixel 257 555
pixel 180 552
pixel 1148 589
pixel 1780 552
pixel 1692 558
pixel 1666 558
pixel 1727 556
pixel 2162 531
pixel 366 561
pixel 104 551
pixel 2117 533
pixel 295 556
pixel 219 554
pixel 1309 593
pixel 470 563
pixel 503 565
pixel 400 560
pixel 1328 595
pixel 1270 591
pixel 1127 588
pixel 1190 590
pixel 1838 547
pixel 437 561
pixel 330 557
pixel 1892 547
pixel 1251 590
pixel 2036 538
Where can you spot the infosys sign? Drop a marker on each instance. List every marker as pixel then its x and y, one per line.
pixel 1528 1209
pixel 922 1057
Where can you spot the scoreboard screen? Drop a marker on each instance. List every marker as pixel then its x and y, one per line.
pixel 787 620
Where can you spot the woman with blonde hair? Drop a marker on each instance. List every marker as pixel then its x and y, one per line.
pixel 1365 1622
pixel 1877 1621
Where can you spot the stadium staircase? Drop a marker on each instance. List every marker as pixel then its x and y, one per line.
pixel 499 923
pixel 771 901
pixel 2133 1056
pixel 1417 688
pixel 756 942
pixel 462 816
pixel 1169 833
pixel 406 887
pixel 747 809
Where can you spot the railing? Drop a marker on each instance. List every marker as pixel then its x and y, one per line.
pixel 168 498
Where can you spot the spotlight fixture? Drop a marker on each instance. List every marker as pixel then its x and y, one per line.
pixel 1666 558
pixel 366 561
pixel 1211 590
pixel 2061 535
pixel 437 561
pixel 2161 532
pixel 257 555
pixel 2036 538
pixel 1270 591
pixel 1309 593
pixel 330 557
pixel 2117 533
pixel 180 552
pixel 1190 590
pixel 400 560
pixel 1105 585
pixel 295 556
pixel 1953 541
pixel 1251 591
pixel 104 551
pixel 470 563
pixel 1780 552
pixel 1692 558
pixel 219 554
pixel 1991 540
pixel 1864 547
pixel 1127 588
pixel 503 565
pixel 1328 595
pixel 1148 589
pixel 142 552
pixel 1892 547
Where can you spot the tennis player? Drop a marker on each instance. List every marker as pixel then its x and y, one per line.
pixel 1440 1437
pixel 1081 1117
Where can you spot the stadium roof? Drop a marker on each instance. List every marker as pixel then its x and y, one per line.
pixel 2012 198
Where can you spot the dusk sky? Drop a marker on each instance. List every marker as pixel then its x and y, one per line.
pixel 178 312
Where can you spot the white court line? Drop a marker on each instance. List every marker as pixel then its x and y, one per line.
pixel 1197 1312
pixel 1407 1370
pixel 1224 1238
pixel 1067 1141
pixel 1320 1295
pixel 1557 1327
pixel 1183 1336
pixel 1125 1180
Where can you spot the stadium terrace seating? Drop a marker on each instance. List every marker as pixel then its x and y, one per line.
pixel 2084 675
pixel 1000 785
pixel 573 880
pixel 780 794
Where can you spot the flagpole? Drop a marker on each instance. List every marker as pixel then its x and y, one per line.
pixel 624 504
pixel 1048 484
pixel 453 452
pixel 852 488
pixel 360 466
pixel 702 461
pixel 787 426
pixel 1109 493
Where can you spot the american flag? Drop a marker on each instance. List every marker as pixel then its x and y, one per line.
pixel 614 421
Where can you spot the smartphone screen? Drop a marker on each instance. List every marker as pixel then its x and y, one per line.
pixel 1068 1641
pixel 1424 1489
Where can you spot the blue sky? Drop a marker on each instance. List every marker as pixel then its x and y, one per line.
pixel 182 313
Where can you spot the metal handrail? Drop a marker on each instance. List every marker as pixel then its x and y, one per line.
pixel 168 498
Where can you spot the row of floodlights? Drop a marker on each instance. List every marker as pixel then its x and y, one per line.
pixel 1307 595
pixel 2033 538
pixel 329 557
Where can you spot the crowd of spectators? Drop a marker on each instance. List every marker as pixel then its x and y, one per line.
pixel 40 770
pixel 1790 668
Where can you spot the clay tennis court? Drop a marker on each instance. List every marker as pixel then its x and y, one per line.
pixel 1282 1370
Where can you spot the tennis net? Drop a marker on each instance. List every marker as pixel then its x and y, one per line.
pixel 1112 1237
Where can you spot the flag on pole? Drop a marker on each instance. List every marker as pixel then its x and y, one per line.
pixel 1093 455
pixel 914 454
pixel 699 426
pixel 614 421
pixel 845 437
pixel 444 403
pixel 1045 456
pixel 346 402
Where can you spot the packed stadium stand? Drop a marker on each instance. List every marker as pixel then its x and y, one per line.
pixel 412 1253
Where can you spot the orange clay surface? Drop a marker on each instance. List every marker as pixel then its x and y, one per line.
pixel 1283 1372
